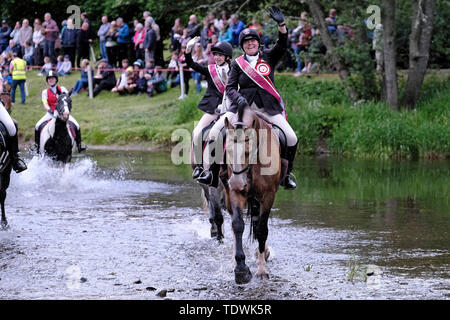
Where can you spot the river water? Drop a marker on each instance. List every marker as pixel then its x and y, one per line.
pixel 128 225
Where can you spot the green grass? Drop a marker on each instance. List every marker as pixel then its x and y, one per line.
pixel 318 110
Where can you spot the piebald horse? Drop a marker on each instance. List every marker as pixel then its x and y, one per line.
pixel 57 135
pixel 254 177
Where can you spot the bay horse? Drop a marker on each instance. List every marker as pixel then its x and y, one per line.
pixel 57 136
pixel 5 170
pixel 254 177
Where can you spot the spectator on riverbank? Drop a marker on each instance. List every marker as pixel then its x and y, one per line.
pixel 236 27
pixel 69 41
pixel 105 79
pixel 101 33
pixel 38 40
pixel 5 32
pixel 50 31
pixel 84 80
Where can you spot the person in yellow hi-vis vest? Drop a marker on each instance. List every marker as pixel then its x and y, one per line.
pixel 18 70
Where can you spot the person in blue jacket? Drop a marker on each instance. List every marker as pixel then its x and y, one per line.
pixel 123 39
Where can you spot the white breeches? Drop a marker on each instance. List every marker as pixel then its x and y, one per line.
pixel 7 121
pixel 48 116
pixel 278 119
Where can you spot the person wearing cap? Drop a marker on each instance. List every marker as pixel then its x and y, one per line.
pixel 49 99
pixel 105 79
pixel 251 83
pixel 216 75
pixel 5 32
pixel 18 71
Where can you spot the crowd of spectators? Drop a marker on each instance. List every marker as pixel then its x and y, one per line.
pixel 137 49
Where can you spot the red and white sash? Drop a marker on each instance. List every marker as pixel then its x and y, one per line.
pixel 262 81
pixel 220 85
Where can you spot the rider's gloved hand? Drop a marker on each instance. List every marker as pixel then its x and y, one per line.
pixel 191 43
pixel 241 102
pixel 277 15
pixel 52 112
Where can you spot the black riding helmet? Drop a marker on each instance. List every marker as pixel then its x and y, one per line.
pixel 223 48
pixel 52 74
pixel 248 34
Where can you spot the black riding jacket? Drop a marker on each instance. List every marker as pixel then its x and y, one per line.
pixel 240 84
pixel 212 97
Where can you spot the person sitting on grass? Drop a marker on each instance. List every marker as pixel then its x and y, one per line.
pixel 123 81
pixel 132 80
pixel 83 82
pixel 157 83
pixel 66 67
pixel 46 67
pixel 105 79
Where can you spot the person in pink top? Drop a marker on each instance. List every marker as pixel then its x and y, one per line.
pixel 138 40
pixel 50 31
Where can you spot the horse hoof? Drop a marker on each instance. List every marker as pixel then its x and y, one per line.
pixel 4 226
pixel 263 276
pixel 243 276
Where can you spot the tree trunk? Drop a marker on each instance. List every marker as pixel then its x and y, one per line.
pixel 317 13
pixel 390 87
pixel 419 50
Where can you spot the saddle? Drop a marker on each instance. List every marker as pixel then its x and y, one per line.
pixel 281 139
pixel 71 128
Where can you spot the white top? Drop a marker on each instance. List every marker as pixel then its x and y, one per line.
pixel 252 59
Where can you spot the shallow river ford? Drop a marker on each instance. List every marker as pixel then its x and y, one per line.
pixel 126 225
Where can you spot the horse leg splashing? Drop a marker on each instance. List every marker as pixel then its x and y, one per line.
pixel 4 184
pixel 254 181
pixel 214 199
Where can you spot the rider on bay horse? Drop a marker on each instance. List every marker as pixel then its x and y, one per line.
pixel 251 83
pixel 12 142
pixel 216 74
pixel 49 99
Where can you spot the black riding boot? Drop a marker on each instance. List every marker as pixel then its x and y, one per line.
pixel 198 167
pixel 287 183
pixel 13 147
pixel 211 178
pixel 37 138
pixel 81 147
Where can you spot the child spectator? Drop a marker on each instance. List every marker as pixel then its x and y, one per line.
pixel 157 83
pixel 123 81
pixel 46 67
pixel 60 60
pixel 83 82
pixel 66 67
pixel 199 57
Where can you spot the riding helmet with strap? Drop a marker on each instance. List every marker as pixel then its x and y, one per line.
pixel 224 48
pixel 248 34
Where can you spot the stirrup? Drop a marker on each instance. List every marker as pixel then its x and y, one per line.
pixel 81 147
pixel 202 179
pixel 291 185
pixel 19 165
pixel 197 172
